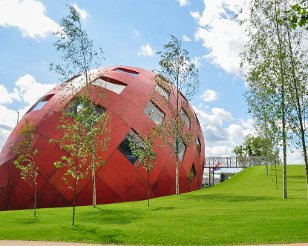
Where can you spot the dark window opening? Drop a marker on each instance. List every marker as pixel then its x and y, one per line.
pixel 192 172
pixel 85 111
pixel 125 148
pixel 127 71
pixel 77 106
pixel 198 145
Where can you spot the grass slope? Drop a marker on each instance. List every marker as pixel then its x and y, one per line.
pixel 246 209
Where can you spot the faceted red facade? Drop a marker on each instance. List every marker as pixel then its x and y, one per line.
pixel 128 92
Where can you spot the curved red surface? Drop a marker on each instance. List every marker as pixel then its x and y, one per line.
pixel 118 180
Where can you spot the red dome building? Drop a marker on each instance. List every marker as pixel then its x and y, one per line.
pixel 129 99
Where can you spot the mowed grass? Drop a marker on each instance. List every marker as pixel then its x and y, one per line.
pixel 246 209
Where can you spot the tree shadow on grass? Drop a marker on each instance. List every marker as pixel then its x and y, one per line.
pixel 226 198
pixel 297 177
pixel 96 234
pixel 162 208
pixel 101 216
pixel 26 221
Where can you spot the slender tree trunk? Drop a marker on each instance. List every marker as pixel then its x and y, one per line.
pixel 298 106
pixel 74 194
pixel 35 195
pixel 276 175
pixel 93 182
pixel 283 106
pixel 74 201
pixel 177 185
pixel 148 187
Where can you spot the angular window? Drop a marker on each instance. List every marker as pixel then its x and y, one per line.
pixel 127 71
pixel 162 91
pixel 198 145
pixel 192 172
pixel 110 85
pixel 125 148
pixel 77 106
pixel 197 119
pixel 185 118
pixel 41 103
pixel 181 151
pixel 85 112
pixel 154 113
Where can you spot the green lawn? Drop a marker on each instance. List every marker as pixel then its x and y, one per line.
pixel 246 209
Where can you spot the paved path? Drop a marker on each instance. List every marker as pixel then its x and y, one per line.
pixel 44 243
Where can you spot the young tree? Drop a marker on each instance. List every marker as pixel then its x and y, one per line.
pixel 265 70
pixel 74 159
pixel 77 50
pixel 277 74
pixel 82 141
pixel 298 74
pixel 144 151
pixel 25 155
pixel 78 58
pixel 177 69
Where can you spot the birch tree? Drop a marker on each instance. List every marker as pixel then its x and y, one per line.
pixel 78 56
pixel 276 72
pixel 177 69
pixel 25 159
pixel 144 151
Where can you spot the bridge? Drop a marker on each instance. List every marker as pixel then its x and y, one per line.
pixel 214 163
pixel 234 162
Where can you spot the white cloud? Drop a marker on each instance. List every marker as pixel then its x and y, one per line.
pixel 186 38
pixel 294 157
pixel 8 120
pixel 146 50
pixel 222 132
pixel 27 91
pixel 82 12
pixel 221 34
pixel 27 15
pixel 183 2
pixel 209 96
pixel 197 61
pixel 6 97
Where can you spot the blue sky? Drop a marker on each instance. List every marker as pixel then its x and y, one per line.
pixel 130 33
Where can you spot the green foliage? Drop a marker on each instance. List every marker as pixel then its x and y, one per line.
pixel 244 210
pixel 176 68
pixel 144 151
pixel 73 144
pixel 298 16
pixel 255 146
pixel 275 68
pixel 77 50
pixel 85 134
pixel 78 58
pixel 25 154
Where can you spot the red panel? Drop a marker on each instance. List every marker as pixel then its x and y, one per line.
pixel 18 199
pixel 50 197
pixel 118 180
